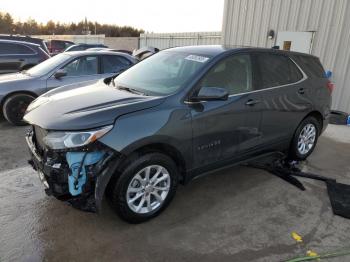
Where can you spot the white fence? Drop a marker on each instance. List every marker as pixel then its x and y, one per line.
pixel 167 40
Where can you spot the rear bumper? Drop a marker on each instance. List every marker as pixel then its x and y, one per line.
pixel 54 173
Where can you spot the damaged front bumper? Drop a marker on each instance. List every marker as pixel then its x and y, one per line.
pixel 77 176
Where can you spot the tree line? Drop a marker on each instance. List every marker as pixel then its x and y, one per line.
pixel 32 27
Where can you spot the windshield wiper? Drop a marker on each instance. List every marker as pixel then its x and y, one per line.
pixel 130 90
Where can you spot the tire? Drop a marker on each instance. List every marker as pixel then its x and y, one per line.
pixel 123 191
pixel 309 127
pixel 14 108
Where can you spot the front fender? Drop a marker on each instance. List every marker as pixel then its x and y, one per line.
pixel 153 126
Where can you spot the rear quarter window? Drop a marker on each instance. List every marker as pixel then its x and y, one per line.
pixel 277 70
pixel 310 65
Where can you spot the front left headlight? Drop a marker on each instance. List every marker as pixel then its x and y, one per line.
pixel 64 140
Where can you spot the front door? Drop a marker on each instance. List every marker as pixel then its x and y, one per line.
pixel 224 129
pixel 79 70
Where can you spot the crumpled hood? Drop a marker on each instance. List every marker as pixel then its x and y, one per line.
pixel 85 107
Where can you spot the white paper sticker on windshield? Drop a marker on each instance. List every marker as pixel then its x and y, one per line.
pixel 197 58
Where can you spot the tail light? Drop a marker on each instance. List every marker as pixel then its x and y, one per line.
pixel 330 86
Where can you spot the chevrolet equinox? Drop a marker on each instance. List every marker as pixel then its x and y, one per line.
pixel 180 113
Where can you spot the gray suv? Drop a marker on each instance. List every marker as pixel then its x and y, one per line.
pixel 19 89
pixel 175 115
pixel 17 56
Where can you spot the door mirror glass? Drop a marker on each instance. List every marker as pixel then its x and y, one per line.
pixel 208 93
pixel 60 73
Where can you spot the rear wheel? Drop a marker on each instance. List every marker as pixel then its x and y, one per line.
pixel 145 188
pixel 15 106
pixel 305 139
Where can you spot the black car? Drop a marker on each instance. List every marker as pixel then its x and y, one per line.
pixel 179 113
pixel 28 39
pixel 56 46
pixel 82 47
pixel 17 56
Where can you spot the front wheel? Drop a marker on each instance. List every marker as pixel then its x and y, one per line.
pixel 305 139
pixel 14 108
pixel 145 188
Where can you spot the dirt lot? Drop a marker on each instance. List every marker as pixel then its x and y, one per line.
pixel 240 214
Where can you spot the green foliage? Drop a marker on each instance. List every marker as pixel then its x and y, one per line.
pixel 31 27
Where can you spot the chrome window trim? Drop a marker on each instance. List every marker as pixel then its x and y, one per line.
pixel 305 77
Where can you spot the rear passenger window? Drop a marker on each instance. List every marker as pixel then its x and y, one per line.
pixel 277 70
pixel 14 49
pixel 114 63
pixel 311 66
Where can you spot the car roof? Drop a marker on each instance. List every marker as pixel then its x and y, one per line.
pixel 215 50
pixel 19 42
pixel 100 52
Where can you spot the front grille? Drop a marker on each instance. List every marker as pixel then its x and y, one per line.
pixel 40 133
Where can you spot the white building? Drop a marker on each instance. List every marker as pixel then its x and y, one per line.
pixel 319 27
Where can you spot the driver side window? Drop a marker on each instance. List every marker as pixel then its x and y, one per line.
pixel 233 73
pixel 86 65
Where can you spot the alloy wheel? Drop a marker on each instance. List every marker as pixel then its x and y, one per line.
pixel 306 139
pixel 148 189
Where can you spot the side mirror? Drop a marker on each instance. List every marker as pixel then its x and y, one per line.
pixel 60 73
pixel 211 94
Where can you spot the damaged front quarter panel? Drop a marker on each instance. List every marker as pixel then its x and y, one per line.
pixel 78 176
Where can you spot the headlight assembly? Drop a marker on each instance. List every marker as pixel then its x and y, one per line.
pixel 64 140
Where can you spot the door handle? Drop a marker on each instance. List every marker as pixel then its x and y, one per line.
pixel 252 102
pixel 21 60
pixel 301 91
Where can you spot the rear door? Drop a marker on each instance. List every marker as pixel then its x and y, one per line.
pixel 224 129
pixel 80 69
pixel 13 57
pixel 283 90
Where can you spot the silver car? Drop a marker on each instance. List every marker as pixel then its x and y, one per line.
pixel 18 90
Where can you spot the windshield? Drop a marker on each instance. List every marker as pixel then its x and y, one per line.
pixel 161 74
pixel 48 65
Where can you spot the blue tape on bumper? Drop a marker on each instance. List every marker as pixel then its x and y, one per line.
pixel 74 159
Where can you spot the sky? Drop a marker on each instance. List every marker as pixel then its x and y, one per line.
pixel 151 15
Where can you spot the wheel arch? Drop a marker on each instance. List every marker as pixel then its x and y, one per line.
pixel 26 92
pixel 162 148
pixel 319 117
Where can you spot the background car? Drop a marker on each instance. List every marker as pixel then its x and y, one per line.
pixel 28 39
pixel 81 47
pixel 144 52
pixel 17 91
pixel 16 56
pixel 58 46
pixel 110 49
